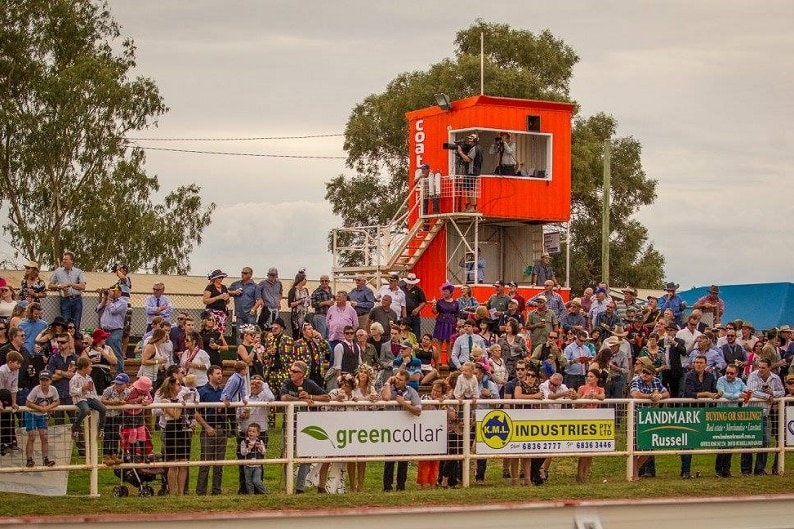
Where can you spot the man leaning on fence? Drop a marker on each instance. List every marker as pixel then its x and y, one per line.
pixel 397 389
pixel 646 387
pixel 299 388
pixel 765 387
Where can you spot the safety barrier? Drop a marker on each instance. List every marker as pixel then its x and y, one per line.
pixel 464 432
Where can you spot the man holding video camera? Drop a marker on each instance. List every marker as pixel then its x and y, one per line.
pixel 506 163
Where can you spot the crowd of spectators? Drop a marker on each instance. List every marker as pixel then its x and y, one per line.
pixel 368 345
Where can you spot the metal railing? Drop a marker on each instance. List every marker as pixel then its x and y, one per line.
pixel 476 430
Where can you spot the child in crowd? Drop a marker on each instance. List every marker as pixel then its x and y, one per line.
pixel 9 387
pixel 466 387
pixel 114 395
pixel 253 448
pixel 478 357
pixel 409 363
pixel 134 430
pixel 84 396
pixel 189 395
pixel 41 400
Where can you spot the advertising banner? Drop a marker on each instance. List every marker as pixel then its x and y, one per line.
pixel 370 433
pixel 517 431
pixel 699 428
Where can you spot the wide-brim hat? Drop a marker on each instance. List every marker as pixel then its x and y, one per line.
pixel 217 273
pixel 59 321
pixel 612 340
pixel 630 290
pixel 671 286
pixel 619 331
pixel 784 328
pixel 714 289
pixel 32 264
pixel 411 279
pixel 143 384
pixel 645 361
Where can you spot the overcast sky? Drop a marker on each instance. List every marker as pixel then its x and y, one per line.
pixel 703 85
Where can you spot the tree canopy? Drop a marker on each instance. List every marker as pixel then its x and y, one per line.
pixel 68 177
pixel 520 64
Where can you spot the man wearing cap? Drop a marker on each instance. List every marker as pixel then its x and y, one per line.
pixel 431 189
pixel 553 300
pixel 112 310
pixel 393 289
pixel 765 386
pixel 542 271
pixel 672 301
pixel 473 270
pixel 415 301
pixel 322 298
pixel 497 303
pixel 573 318
pixel 513 293
pixel 512 313
pixel 461 349
pixel 362 299
pixel 598 305
pixel 629 301
pixel 711 306
pixel 69 281
pixel 541 321
pixel 114 395
pixel 646 388
pixel 157 304
pixel 270 292
pixel 748 338
pixel 472 157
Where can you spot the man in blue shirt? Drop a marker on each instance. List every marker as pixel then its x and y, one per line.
pixel 112 311
pixel 244 292
pixel 730 387
pixel 213 433
pixel 362 299
pixel 157 304
pixel 672 301
pixel 32 325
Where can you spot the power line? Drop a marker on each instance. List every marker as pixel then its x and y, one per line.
pixel 193 151
pixel 255 138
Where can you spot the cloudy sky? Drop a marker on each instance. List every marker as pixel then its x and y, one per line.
pixel 703 85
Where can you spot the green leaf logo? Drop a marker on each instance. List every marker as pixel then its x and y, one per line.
pixel 318 433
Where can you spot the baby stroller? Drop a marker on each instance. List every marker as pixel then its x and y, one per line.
pixel 137 450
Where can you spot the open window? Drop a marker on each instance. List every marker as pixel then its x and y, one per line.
pixel 532 151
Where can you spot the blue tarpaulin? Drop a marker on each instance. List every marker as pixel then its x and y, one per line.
pixel 765 305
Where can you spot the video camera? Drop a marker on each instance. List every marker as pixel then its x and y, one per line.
pixel 454 146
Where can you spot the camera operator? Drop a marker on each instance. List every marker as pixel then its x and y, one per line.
pixel 471 154
pixel 506 163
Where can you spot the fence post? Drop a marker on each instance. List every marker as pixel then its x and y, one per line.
pixel 91 452
pixel 630 434
pixel 781 436
pixel 467 429
pixel 289 445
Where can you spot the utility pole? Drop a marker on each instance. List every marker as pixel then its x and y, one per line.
pixel 605 213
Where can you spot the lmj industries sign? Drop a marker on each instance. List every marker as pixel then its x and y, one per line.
pixel 699 428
